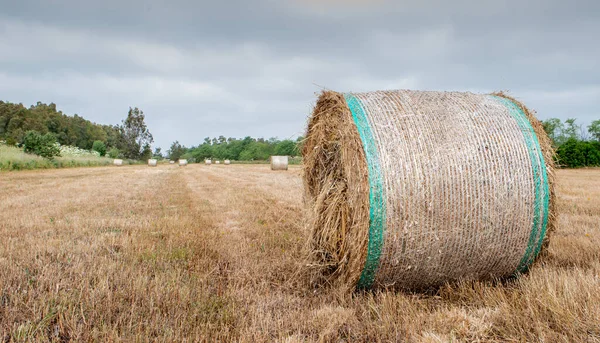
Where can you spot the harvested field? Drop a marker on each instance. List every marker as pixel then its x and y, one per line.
pixel 173 254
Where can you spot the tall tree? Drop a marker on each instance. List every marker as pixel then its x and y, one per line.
pixel 594 129
pixel 176 151
pixel 136 136
pixel 157 153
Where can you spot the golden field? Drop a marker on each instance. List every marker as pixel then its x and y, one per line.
pixel 215 253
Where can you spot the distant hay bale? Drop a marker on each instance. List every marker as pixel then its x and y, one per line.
pixel 152 162
pixel 208 162
pixel 217 162
pixel 183 163
pixel 412 189
pixel 279 163
pixel 171 162
pixel 227 162
pixel 118 162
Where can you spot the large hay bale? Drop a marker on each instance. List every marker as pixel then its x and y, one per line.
pixel 217 162
pixel 152 162
pixel 279 163
pixel 118 162
pixel 227 162
pixel 208 162
pixel 414 189
pixel 183 163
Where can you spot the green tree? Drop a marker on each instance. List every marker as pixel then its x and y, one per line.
pixel 176 151
pixel 42 145
pixel 554 128
pixel 100 147
pixel 286 148
pixel 113 153
pixel 571 130
pixel 136 136
pixel 157 153
pixel 594 129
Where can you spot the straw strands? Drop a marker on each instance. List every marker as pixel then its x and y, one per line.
pixel 412 189
pixel 279 163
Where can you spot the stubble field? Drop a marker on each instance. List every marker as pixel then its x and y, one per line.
pixel 213 254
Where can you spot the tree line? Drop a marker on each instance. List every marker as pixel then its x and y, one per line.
pixel 575 146
pixel 41 125
pixel 246 149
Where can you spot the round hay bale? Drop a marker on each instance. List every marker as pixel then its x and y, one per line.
pixel 413 189
pixel 217 162
pixel 183 163
pixel 152 162
pixel 171 162
pixel 118 162
pixel 279 163
pixel 227 162
pixel 208 162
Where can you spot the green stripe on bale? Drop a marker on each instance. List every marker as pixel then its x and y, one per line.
pixel 542 193
pixel 377 210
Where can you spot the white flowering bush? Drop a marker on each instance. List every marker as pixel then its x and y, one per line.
pixel 67 150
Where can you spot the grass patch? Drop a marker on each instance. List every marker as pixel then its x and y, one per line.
pixel 13 158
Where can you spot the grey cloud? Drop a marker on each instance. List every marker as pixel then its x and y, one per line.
pixel 252 67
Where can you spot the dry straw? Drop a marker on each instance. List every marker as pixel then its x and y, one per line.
pixel 118 162
pixel 152 162
pixel 412 189
pixel 279 163
pixel 183 163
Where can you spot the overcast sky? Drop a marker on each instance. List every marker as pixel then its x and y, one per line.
pixel 235 68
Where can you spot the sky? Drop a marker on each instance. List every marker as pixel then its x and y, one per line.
pixel 254 67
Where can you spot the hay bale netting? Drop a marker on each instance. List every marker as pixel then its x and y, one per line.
pixel 279 163
pixel 208 162
pixel 183 163
pixel 152 162
pixel 413 189
pixel 227 162
pixel 118 162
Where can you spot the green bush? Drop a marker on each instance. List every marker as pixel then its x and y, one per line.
pixel 575 153
pixel 114 153
pixel 100 147
pixel 41 145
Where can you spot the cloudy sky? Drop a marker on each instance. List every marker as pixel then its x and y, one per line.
pixel 252 67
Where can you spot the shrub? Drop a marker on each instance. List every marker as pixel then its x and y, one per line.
pixel 113 153
pixel 575 153
pixel 100 147
pixel 41 145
